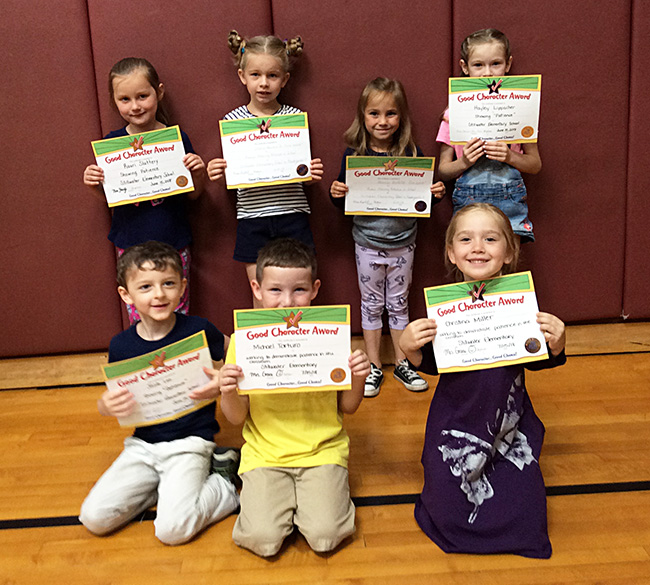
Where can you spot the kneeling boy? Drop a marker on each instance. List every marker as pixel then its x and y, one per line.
pixel 168 464
pixel 294 460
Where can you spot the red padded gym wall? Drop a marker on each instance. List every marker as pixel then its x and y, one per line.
pixel 187 43
pixel 577 201
pixel 57 279
pixel 346 46
pixel 589 206
pixel 637 276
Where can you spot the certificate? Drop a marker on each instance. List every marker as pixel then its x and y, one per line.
pixel 160 381
pixel 494 108
pixel 266 151
pixel 298 349
pixel 397 186
pixel 486 324
pixel 143 166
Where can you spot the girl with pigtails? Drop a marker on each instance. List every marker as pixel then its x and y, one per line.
pixel 273 211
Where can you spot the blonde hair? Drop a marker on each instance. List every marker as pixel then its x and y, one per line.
pixel 512 240
pixel 131 65
pixel 284 51
pixel 485 35
pixel 356 136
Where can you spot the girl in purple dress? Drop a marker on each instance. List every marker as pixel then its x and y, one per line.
pixel 483 488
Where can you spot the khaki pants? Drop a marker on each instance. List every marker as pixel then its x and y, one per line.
pixel 275 499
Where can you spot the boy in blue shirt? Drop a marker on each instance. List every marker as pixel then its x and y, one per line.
pixel 168 464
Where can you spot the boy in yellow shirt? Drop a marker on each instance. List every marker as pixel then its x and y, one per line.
pixel 294 461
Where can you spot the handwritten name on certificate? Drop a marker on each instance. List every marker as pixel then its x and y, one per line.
pixel 266 151
pixel 494 108
pixel 162 380
pixel 143 166
pixel 396 186
pixel 299 349
pixel 486 324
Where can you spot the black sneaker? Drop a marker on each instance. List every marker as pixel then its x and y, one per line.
pixel 373 381
pixel 225 462
pixel 410 378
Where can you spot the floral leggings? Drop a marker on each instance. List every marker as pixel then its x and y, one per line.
pixel 384 281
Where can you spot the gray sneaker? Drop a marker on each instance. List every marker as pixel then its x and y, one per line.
pixel 410 378
pixel 225 462
pixel 373 381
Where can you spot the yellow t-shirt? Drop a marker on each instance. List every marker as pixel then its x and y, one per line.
pixel 302 429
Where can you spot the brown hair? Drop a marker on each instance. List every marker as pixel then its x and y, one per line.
pixel 356 136
pixel 512 240
pixel 130 65
pixel 286 253
pixel 161 255
pixel 285 51
pixel 485 35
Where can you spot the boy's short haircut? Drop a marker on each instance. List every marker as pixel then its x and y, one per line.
pixel 285 253
pixel 161 255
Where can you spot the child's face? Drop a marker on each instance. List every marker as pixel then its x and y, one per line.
pixel 487 60
pixel 381 118
pixel 285 287
pixel 154 293
pixel 479 248
pixel 137 100
pixel 263 77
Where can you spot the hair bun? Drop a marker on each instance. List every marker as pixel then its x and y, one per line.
pixel 235 42
pixel 294 46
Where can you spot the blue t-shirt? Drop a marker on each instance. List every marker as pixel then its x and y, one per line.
pixel 200 423
pixel 162 220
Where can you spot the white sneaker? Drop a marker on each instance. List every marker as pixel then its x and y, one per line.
pixel 410 378
pixel 373 381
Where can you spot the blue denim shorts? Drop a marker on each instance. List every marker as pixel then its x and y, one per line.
pixel 253 234
pixel 508 197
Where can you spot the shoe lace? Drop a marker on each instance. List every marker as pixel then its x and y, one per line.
pixel 375 374
pixel 408 373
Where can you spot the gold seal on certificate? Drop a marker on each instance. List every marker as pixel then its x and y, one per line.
pixel 269 150
pixel 161 381
pixel 394 186
pixel 485 324
pixel 295 349
pixel 494 108
pixel 143 166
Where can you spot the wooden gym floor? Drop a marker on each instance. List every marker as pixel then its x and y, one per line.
pixel 596 462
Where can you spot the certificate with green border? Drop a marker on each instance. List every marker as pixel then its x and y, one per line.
pixel 485 323
pixel 269 150
pixel 293 349
pixel 394 186
pixel 161 381
pixel 143 166
pixel 494 108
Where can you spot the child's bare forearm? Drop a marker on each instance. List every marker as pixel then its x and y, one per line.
pixel 234 407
